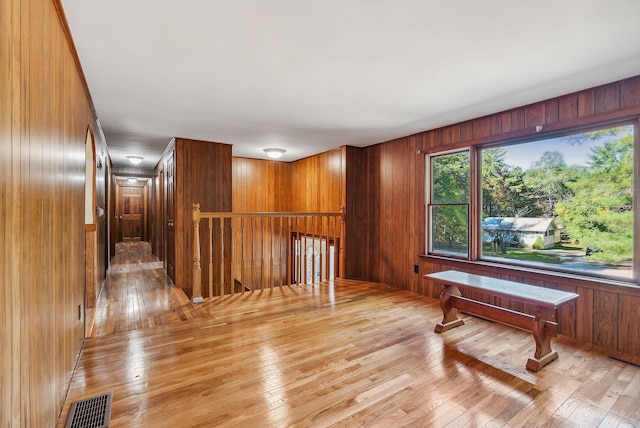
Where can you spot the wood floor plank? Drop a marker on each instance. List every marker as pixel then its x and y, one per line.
pixel 348 353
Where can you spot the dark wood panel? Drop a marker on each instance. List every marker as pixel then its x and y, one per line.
pixel 455 133
pixel 428 140
pixel 445 135
pixel 628 329
pixel 505 122
pixel 551 111
pixel 607 98
pixel 466 131
pixel 482 127
pixel 568 107
pixel 496 125
pixel 605 319
pixel 584 314
pixel 567 314
pixel 371 253
pixel 586 103
pixel 203 174
pixel 355 210
pixel 630 90
pixel 534 115
pixel 517 119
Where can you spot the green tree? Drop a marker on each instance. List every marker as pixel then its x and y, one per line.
pixel 504 191
pixel 547 180
pixel 450 228
pixel 450 196
pixel 451 178
pixel 600 214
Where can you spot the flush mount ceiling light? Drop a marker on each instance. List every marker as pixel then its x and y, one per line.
pixel 274 153
pixel 135 159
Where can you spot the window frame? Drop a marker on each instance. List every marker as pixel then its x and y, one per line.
pixel 475 202
pixel 429 204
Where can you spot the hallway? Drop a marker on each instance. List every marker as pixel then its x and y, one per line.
pixel 351 353
pixel 138 294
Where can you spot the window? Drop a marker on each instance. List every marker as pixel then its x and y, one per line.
pixel 562 203
pixel 312 261
pixel 449 204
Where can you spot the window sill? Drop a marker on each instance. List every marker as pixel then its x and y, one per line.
pixel 544 275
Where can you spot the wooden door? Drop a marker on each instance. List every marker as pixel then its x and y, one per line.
pixel 132 213
pixel 169 210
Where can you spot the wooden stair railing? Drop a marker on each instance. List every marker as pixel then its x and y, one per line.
pixel 262 250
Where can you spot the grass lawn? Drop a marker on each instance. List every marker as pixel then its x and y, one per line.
pixel 538 256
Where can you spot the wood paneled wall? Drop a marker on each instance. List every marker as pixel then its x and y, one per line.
pixel 395 237
pixel 202 175
pixel 321 183
pixel 44 114
pixel 261 185
pixel 311 184
pixel 157 210
pixel 355 209
pixel 317 182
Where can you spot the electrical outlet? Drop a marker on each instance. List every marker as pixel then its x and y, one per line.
pixel 416 269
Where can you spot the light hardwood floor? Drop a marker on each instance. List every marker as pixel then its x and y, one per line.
pixel 344 354
pixel 139 294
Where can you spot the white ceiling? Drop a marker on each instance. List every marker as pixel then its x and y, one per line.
pixel 311 75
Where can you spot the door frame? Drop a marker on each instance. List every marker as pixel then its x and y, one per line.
pixel 120 181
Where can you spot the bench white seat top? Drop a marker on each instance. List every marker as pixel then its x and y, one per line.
pixel 535 295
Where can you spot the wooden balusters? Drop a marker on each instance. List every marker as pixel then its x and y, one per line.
pixel 210 257
pixel 222 266
pixel 281 238
pixel 197 270
pixel 232 255
pixel 342 235
pixel 242 264
pixel 290 243
pixel 255 251
pixel 270 277
pixel 313 250
pixel 252 263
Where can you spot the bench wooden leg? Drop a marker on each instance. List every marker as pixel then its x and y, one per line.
pixel 450 318
pixel 543 331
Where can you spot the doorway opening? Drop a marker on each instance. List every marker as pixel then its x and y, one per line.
pixel 132 207
pixel 91 233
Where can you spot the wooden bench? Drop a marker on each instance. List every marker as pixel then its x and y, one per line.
pixel 545 300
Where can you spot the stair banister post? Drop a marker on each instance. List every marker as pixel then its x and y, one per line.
pixel 197 270
pixel 342 244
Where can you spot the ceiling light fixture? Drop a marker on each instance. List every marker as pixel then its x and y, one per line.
pixel 135 159
pixel 274 153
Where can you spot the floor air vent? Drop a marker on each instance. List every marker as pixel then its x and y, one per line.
pixel 93 412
